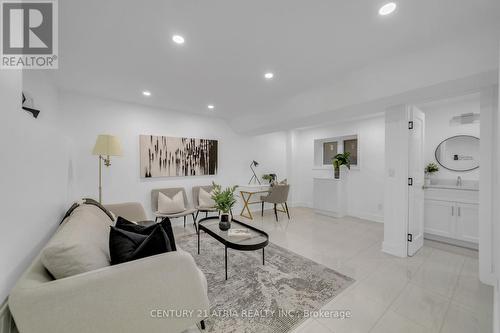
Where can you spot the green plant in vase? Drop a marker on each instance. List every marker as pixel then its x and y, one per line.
pixel 224 201
pixel 429 170
pixel 340 160
pixel 270 178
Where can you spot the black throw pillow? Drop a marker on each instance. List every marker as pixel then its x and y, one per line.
pixel 127 245
pixel 125 224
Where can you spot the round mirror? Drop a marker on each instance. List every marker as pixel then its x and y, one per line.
pixel 459 153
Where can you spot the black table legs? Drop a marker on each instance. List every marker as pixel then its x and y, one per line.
pixel 225 259
pixel 225 255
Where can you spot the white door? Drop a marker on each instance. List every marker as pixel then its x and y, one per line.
pixel 440 218
pixel 416 162
pixel 467 222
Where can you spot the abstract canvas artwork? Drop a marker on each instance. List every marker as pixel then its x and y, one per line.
pixel 163 156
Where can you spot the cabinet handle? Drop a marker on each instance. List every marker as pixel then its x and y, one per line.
pixel 458 211
pixel 452 210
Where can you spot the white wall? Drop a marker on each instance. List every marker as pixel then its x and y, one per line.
pixel 438 128
pixel 85 117
pixel 365 185
pixel 34 172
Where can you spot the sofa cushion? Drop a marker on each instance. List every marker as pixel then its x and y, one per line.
pixel 80 244
pixel 172 205
pixel 127 245
pixel 205 199
pixel 127 225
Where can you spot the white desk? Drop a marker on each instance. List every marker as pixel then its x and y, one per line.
pixel 246 193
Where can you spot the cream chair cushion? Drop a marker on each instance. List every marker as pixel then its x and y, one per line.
pixel 172 205
pixel 205 199
pixel 80 245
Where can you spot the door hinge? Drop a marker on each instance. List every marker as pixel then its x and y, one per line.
pixel 410 238
pixel 410 125
pixel 410 181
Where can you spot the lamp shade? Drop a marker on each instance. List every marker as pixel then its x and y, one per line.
pixel 107 145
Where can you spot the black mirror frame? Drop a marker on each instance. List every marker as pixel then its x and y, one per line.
pixel 451 137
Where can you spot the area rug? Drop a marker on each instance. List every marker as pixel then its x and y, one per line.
pixel 271 298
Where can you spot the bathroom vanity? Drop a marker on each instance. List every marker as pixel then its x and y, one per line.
pixel 451 212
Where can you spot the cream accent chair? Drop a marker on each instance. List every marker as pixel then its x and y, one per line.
pixel 126 298
pixel 196 201
pixel 171 192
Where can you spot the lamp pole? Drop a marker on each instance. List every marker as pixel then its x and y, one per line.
pixel 107 162
pixel 100 179
pixel 254 175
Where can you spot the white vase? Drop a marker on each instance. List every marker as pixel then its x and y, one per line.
pixel 427 180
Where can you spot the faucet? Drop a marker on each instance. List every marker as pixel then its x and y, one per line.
pixel 459 181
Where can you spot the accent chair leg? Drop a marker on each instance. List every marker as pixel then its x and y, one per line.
pixel 262 210
pixel 275 212
pixel 197 212
pixel 287 211
pixel 184 221
pixel 206 214
pixel 202 324
pixel 194 223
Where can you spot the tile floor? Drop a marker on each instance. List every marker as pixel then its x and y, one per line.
pixel 437 290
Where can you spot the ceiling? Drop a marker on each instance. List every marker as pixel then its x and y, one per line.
pixel 116 49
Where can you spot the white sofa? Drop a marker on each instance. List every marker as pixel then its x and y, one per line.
pixel 136 296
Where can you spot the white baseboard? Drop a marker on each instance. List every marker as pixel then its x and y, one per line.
pixel 368 216
pixel 452 241
pixel 6 322
pixel 394 249
pixel 329 213
pixel 300 204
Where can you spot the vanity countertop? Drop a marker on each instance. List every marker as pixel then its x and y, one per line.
pixel 453 187
pixel 451 184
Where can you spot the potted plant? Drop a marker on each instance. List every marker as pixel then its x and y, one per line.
pixel 340 160
pixel 271 178
pixel 429 170
pixel 224 201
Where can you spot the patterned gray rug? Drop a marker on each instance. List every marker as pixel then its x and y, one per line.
pixel 256 298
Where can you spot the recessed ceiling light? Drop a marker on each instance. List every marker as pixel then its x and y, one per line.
pixel 269 75
pixel 146 93
pixel 387 8
pixel 178 39
pixel 211 106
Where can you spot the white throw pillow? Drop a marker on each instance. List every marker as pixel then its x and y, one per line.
pixel 81 244
pixel 205 199
pixel 171 206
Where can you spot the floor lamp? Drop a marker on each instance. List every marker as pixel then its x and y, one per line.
pixel 106 146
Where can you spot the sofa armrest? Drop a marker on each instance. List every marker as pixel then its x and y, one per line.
pixel 132 211
pixel 120 298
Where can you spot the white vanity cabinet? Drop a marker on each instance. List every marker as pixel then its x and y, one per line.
pixel 452 215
